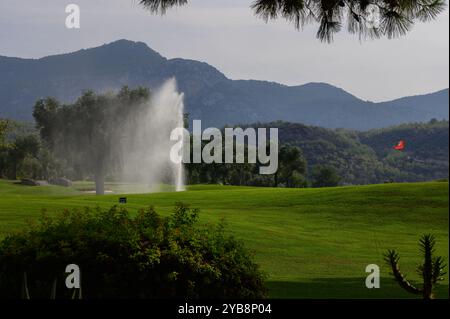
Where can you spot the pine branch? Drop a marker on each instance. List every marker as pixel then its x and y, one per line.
pixel 161 6
pixel 396 17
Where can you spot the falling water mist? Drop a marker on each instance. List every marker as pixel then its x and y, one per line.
pixel 146 164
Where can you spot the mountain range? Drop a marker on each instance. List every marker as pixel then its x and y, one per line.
pixel 209 94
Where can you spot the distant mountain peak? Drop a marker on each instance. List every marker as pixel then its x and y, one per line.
pixel 126 44
pixel 210 95
pixel 128 47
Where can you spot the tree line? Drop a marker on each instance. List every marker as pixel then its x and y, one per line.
pixel 79 141
pixel 82 141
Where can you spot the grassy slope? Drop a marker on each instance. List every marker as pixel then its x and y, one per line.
pixel 313 243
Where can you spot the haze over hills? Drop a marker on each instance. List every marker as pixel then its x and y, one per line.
pixel 210 95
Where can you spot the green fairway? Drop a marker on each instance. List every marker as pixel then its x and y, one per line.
pixel 312 243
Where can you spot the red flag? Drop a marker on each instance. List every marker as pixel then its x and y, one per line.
pixel 400 146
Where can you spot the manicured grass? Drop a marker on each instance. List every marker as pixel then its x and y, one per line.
pixel 312 243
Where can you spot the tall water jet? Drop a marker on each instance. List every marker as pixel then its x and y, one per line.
pixel 146 164
pixel 179 167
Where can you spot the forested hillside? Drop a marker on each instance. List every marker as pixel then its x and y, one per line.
pixel 358 157
pixel 369 157
pixel 426 153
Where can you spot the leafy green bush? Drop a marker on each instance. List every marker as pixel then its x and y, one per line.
pixel 147 256
pixel 325 176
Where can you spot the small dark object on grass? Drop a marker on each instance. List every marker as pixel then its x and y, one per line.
pixel 29 182
pixel 122 200
pixel 60 182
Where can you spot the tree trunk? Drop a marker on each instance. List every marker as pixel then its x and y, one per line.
pixel 100 180
pixel 14 172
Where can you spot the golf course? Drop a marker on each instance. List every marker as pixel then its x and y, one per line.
pixel 311 243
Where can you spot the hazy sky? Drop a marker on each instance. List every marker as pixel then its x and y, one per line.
pixel 226 34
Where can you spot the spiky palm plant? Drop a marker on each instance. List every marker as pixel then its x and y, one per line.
pixel 431 270
pixel 396 17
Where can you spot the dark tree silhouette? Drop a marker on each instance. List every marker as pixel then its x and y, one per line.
pixel 22 147
pixel 3 130
pixel 292 167
pixel 367 18
pixel 325 176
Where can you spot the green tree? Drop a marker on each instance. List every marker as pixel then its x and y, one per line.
pixel 3 130
pixel 396 18
pixel 291 167
pixel 325 176
pixel 3 147
pixel 24 147
pixel 87 134
pixel 431 270
pixel 29 167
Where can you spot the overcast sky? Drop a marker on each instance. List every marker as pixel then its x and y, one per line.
pixel 226 34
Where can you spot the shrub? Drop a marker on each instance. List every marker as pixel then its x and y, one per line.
pixel 325 176
pixel 147 256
